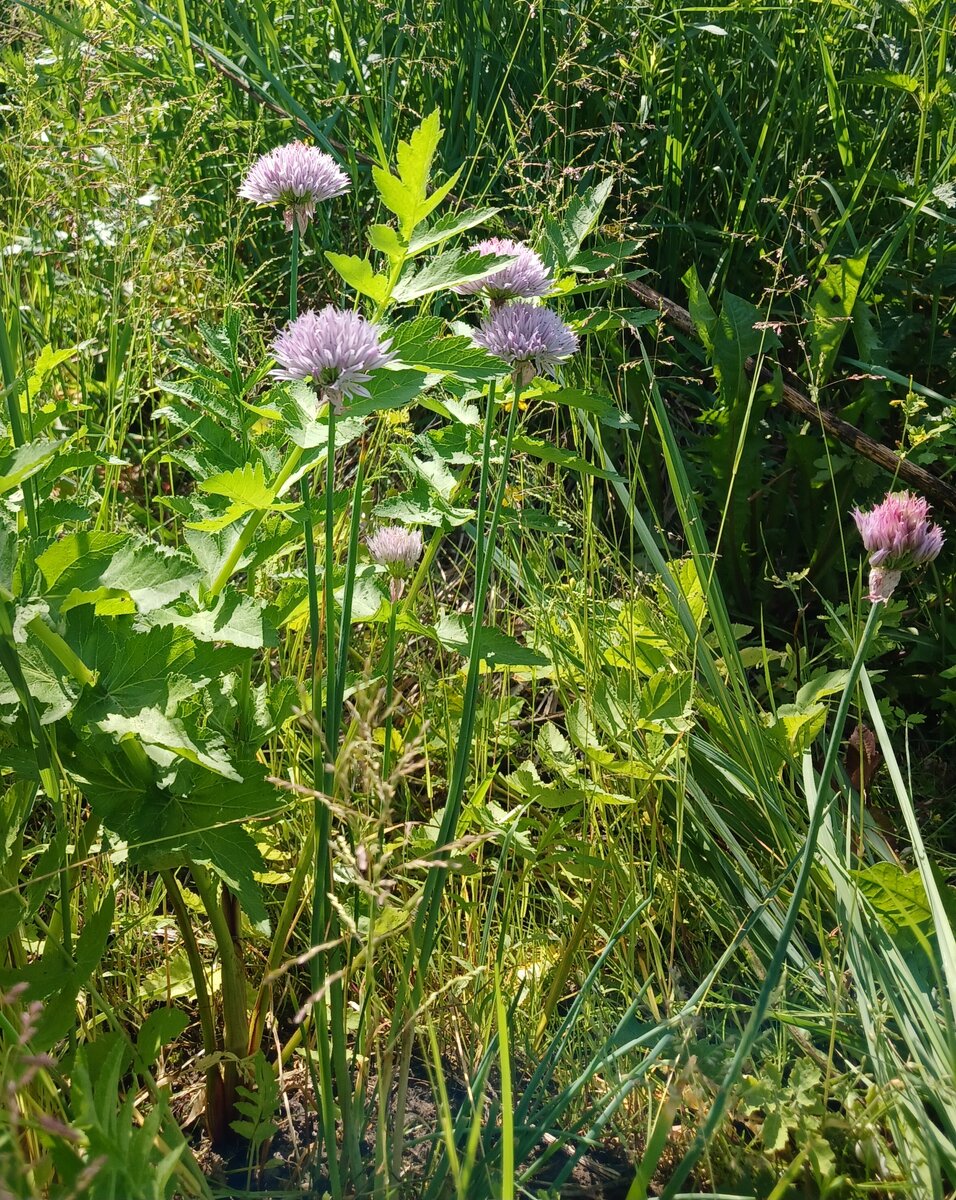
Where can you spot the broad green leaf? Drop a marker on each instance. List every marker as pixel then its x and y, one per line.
pixel 232 854
pixel 831 313
pixel 360 275
pixel 152 575
pixel 236 619
pixel 665 700
pixel 898 898
pixel 447 270
pixel 496 648
pixel 582 216
pixel 47 360
pixel 384 239
pixel 563 458
pixel 162 1026
pixel 420 344
pixel 386 389
pixel 701 310
pixel 821 686
pixel 246 487
pixel 18 465
pixel 102 568
pixel 447 227
pixel 397 199
pixel 438 195
pixel 421 506
pixel 156 731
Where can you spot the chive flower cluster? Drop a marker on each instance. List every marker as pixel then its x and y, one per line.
pixel 898 535
pixel 531 338
pixel 336 349
pixel 298 176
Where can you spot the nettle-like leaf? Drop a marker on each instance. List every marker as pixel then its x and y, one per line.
pixel 448 227
pixel 447 270
pixel 246 489
pixel 422 506
pixel 565 238
pixel 496 648
pixel 18 464
pixel 420 344
pixel 831 312
pixel 116 572
pixel 234 618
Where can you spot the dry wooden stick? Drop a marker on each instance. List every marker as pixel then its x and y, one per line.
pixel 918 477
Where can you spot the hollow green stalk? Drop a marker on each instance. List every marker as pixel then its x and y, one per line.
pixel 772 978
pixel 424 932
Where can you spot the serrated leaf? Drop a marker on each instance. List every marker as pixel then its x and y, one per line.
pixel 831 312
pixel 563 458
pixel 420 344
pixel 387 389
pixel 103 568
pixel 414 157
pixel 496 648
pixel 246 486
pixel 18 465
pixel 397 198
pixel 447 270
pixel 156 731
pixel 447 227
pixel 360 275
pixel 421 506
pixel 385 239
pixel 151 575
pixel 235 619
pixel 582 216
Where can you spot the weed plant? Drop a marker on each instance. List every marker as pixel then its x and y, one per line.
pixel 431 774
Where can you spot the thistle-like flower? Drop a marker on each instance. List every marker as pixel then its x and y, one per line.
pixel 298 176
pixel 337 350
pixel 398 550
pixel 524 279
pixel 898 534
pixel 532 340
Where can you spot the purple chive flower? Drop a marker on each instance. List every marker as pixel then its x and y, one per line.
pixel 337 350
pixel 898 534
pixel 398 550
pixel 530 339
pixel 526 278
pixel 296 175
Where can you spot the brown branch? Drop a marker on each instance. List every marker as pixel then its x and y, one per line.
pixel 918 477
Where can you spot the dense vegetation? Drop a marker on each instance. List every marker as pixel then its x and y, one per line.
pixel 611 844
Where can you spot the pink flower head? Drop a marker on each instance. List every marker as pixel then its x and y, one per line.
pixel 396 549
pixel 296 175
pixel 531 339
pixel 337 350
pixel 525 278
pixel 898 534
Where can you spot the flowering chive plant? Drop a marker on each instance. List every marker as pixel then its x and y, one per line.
pixel 336 349
pixel 898 535
pixel 298 176
pixel 526 278
pixel 533 340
